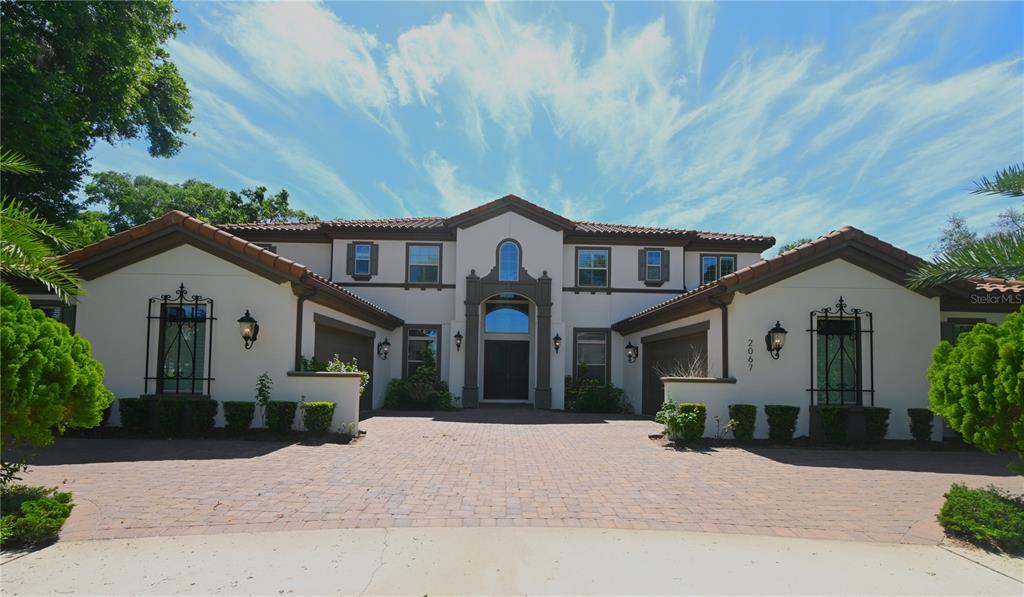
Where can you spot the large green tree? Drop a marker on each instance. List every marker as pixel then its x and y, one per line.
pixel 77 72
pixel 131 201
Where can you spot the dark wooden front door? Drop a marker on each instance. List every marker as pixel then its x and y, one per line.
pixel 330 341
pixel 506 370
pixel 670 357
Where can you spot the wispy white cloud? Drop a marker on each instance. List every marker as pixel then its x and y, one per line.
pixel 698 22
pixel 456 196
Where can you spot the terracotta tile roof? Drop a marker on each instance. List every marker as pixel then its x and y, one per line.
pixel 785 262
pixel 290 269
pixel 998 285
pixel 437 223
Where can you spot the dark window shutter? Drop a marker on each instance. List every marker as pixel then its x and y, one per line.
pixel 350 259
pixel 642 265
pixel 374 252
pixel 664 265
pixel 946 331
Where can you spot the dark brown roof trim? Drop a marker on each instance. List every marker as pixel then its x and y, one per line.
pixel 176 228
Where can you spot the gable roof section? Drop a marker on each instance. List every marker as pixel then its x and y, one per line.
pixel 440 228
pixel 848 243
pixel 176 228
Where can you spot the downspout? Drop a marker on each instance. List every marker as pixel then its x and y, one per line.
pixel 724 307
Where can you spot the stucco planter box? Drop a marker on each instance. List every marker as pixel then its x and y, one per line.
pixel 324 386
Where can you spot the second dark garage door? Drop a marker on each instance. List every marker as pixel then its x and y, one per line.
pixel 669 354
pixel 348 342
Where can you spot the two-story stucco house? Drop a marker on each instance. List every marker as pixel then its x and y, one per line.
pixel 513 298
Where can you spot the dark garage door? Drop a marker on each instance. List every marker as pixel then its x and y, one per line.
pixel 669 356
pixel 347 344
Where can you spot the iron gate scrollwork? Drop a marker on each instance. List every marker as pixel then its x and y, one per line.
pixel 184 343
pixel 837 337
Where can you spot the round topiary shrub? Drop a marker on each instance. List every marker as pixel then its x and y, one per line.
pixel 781 421
pixel 876 423
pixel 317 416
pixel 745 416
pixel 238 414
pixel 921 423
pixel 281 415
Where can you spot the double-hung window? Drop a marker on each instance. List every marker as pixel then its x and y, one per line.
pixel 653 266
pixel 421 347
pixel 592 352
pixel 424 264
pixel 713 267
pixel 592 268
pixel 361 265
pixel 361 261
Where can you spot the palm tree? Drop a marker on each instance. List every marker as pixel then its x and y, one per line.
pixel 999 255
pixel 28 243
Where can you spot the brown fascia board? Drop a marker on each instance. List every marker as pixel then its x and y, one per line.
pixel 731 245
pixel 612 238
pixel 328 295
pixel 698 301
pixel 514 204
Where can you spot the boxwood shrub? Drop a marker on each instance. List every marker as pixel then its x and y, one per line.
pixel 317 416
pixel 281 415
pixel 169 415
pixel 693 430
pixel 781 421
pixel 32 515
pixel 745 416
pixel 876 423
pixel 238 414
pixel 921 423
pixel 833 423
pixel 990 517
pixel 134 413
pixel 200 415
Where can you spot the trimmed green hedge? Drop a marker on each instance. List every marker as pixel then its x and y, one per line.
pixel 32 515
pixel 781 421
pixel 238 414
pixel 169 416
pixel 134 413
pixel 921 423
pixel 200 415
pixel 281 415
pixel 316 416
pixel 989 517
pixel 833 423
pixel 876 423
pixel 693 430
pixel 745 416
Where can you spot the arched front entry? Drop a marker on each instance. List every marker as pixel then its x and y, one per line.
pixel 538 291
pixel 509 330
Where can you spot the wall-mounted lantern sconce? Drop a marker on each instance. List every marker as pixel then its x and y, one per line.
pixel 383 348
pixel 775 339
pixel 632 352
pixel 458 341
pixel 557 340
pixel 249 329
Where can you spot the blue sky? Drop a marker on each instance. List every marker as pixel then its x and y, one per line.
pixel 789 119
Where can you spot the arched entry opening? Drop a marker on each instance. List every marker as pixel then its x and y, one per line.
pixel 508 344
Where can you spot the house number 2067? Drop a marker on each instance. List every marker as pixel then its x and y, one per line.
pixel 750 353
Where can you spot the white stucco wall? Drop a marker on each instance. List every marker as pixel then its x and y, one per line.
pixel 906 328
pixel 391 260
pixel 314 255
pixel 112 316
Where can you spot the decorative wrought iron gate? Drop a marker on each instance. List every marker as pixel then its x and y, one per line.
pixel 182 359
pixel 837 355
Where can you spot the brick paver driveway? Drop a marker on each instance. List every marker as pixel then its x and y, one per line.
pixel 491 467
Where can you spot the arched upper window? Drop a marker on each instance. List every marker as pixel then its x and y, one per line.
pixel 508 261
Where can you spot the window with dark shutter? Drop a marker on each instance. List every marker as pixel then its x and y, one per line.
pixel 361 260
pixel 652 266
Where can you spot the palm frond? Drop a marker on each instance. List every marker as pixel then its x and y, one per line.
pixel 15 163
pixel 998 255
pixel 28 245
pixel 1008 181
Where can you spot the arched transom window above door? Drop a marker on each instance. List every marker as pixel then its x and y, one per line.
pixel 509 256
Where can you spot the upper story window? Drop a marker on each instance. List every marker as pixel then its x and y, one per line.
pixel 361 260
pixel 713 267
pixel 592 267
pixel 424 264
pixel 508 261
pixel 653 266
